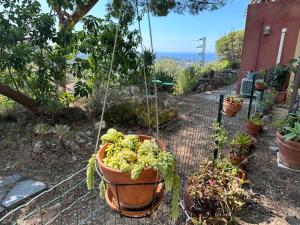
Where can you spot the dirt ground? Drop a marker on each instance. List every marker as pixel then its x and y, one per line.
pixel 277 191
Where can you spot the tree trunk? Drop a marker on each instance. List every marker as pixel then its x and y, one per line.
pixel 18 97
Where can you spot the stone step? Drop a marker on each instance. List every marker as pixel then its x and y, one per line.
pixel 22 191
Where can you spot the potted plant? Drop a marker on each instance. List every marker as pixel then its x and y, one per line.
pixel 128 160
pixel 232 105
pixel 254 125
pixel 215 194
pixel 288 138
pixel 260 85
pixel 280 75
pixel 240 148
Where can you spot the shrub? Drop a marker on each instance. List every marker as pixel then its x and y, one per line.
pixel 217 190
pixel 131 113
pixel 186 81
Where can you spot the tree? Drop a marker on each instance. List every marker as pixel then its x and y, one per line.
pixel 229 46
pixel 34 52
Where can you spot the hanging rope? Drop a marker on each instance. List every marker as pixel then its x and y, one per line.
pixel 108 77
pixel 144 64
pixel 153 69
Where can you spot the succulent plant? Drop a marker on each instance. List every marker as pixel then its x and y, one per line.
pixel 236 99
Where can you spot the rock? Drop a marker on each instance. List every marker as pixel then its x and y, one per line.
pixel 74 158
pixel 73 146
pixel 3 193
pixel 38 147
pixel 89 133
pixel 9 181
pixel 79 140
pixel 274 149
pixel 22 191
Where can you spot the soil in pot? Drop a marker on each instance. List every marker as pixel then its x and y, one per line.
pixel 130 196
pixel 252 129
pixel 289 152
pixel 231 109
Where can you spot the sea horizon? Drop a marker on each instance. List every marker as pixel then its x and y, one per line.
pixel 186 56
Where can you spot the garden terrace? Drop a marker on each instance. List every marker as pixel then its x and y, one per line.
pixel 189 138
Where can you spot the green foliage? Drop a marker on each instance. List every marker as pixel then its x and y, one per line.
pixel 102 189
pixel 293 132
pixel 279 76
pixel 66 98
pixel 186 81
pixel 240 144
pixel 164 77
pixel 220 136
pixel 236 99
pixel 61 130
pixel 169 66
pixel 5 104
pixel 131 113
pixel 27 61
pixel 128 154
pixel 90 173
pixel 217 66
pixel 256 120
pixel 217 190
pixel 229 47
pixel 289 126
pixel 42 129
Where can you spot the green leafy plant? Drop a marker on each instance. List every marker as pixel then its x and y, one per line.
pixel 240 144
pixel 221 135
pixel 42 129
pixel 293 132
pixel 279 76
pixel 217 190
pixel 62 131
pixel 66 98
pixel 289 121
pixel 128 154
pixel 234 99
pixel 256 120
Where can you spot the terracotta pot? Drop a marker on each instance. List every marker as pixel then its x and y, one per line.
pixel 252 129
pixel 236 159
pixel 130 196
pixel 280 97
pixel 231 109
pixel 289 152
pixel 260 87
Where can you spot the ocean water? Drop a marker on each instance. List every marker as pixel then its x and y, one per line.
pixel 186 56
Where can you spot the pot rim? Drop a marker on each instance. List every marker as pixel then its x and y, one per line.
pixel 101 163
pixel 248 123
pixel 281 138
pixel 232 103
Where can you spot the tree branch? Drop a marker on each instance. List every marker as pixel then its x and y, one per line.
pixel 18 97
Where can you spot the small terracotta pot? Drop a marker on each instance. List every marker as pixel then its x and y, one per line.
pixel 231 109
pixel 289 152
pixel 130 196
pixel 252 129
pixel 280 97
pixel 236 159
pixel 260 87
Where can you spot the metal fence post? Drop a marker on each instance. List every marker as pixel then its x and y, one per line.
pixel 219 122
pixel 251 97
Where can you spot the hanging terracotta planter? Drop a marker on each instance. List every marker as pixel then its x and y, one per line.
pixel 260 86
pixel 232 105
pixel 130 196
pixel 289 152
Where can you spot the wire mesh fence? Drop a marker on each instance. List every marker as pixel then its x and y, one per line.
pixel 189 138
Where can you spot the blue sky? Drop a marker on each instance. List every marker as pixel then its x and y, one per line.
pixel 177 33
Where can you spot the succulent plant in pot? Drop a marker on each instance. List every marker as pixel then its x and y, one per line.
pixel 132 160
pixel 232 105
pixel 288 138
pixel 280 74
pixel 260 85
pixel 254 125
pixel 240 148
pixel 215 194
